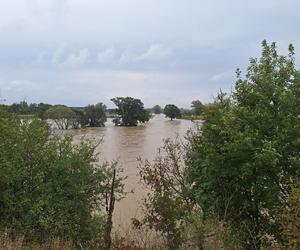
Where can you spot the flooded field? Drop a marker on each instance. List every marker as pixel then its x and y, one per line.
pixel 126 144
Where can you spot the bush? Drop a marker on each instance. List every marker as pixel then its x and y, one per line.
pixel 246 154
pixel 49 187
pixel 63 116
pixel 289 221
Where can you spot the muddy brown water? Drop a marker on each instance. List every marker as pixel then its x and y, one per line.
pixel 126 144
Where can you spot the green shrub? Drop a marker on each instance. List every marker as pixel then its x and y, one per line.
pixel 49 186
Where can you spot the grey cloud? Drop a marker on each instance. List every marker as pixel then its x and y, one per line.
pixel 155 53
pixel 58 54
pixel 78 52
pixel 107 56
pixel 80 58
pixel 18 85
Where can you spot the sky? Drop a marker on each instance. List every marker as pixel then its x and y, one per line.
pixel 79 52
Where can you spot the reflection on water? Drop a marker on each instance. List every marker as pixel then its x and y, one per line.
pixel 128 143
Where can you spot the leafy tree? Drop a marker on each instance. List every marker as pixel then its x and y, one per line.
pixel 197 107
pixel 80 120
pixel 63 116
pixel 23 108
pixel 95 115
pixel 157 109
pixel 130 111
pixel 186 112
pixel 41 110
pixel 172 111
pixel 246 154
pixel 49 187
pixel 168 205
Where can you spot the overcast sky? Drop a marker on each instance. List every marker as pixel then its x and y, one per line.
pixel 77 52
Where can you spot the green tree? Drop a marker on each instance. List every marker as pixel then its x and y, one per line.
pixel 157 109
pixel 246 153
pixel 63 116
pixel 21 108
pixel 130 111
pixel 166 208
pixel 80 120
pixel 51 187
pixel 197 107
pixel 172 111
pixel 41 110
pixel 95 115
pixel 169 207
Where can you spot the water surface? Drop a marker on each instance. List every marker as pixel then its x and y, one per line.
pixel 126 144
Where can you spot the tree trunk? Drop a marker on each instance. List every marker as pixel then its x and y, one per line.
pixel 110 204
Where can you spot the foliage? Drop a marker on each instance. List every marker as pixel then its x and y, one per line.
pixel 157 109
pixel 167 204
pixel 63 116
pixel 80 119
pixel 20 108
pixel 169 208
pixel 172 111
pixel 95 115
pixel 289 220
pixel 89 116
pixel 186 112
pixel 246 153
pixel 49 186
pixel 130 111
pixel 23 108
pixel 197 107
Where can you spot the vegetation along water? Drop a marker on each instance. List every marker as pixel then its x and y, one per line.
pixel 137 178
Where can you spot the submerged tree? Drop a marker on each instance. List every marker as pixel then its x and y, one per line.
pixel 95 115
pixel 63 116
pixel 197 107
pixel 246 154
pixel 130 111
pixel 172 111
pixel 157 109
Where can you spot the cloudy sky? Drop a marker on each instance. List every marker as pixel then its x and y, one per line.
pixel 77 52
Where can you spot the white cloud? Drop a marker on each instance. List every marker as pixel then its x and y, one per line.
pixel 106 56
pixel 155 53
pixel 58 54
pixel 76 59
pixel 18 85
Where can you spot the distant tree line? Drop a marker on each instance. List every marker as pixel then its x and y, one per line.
pixel 23 108
pixel 129 112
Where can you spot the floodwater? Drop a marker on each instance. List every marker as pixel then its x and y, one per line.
pixel 126 144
